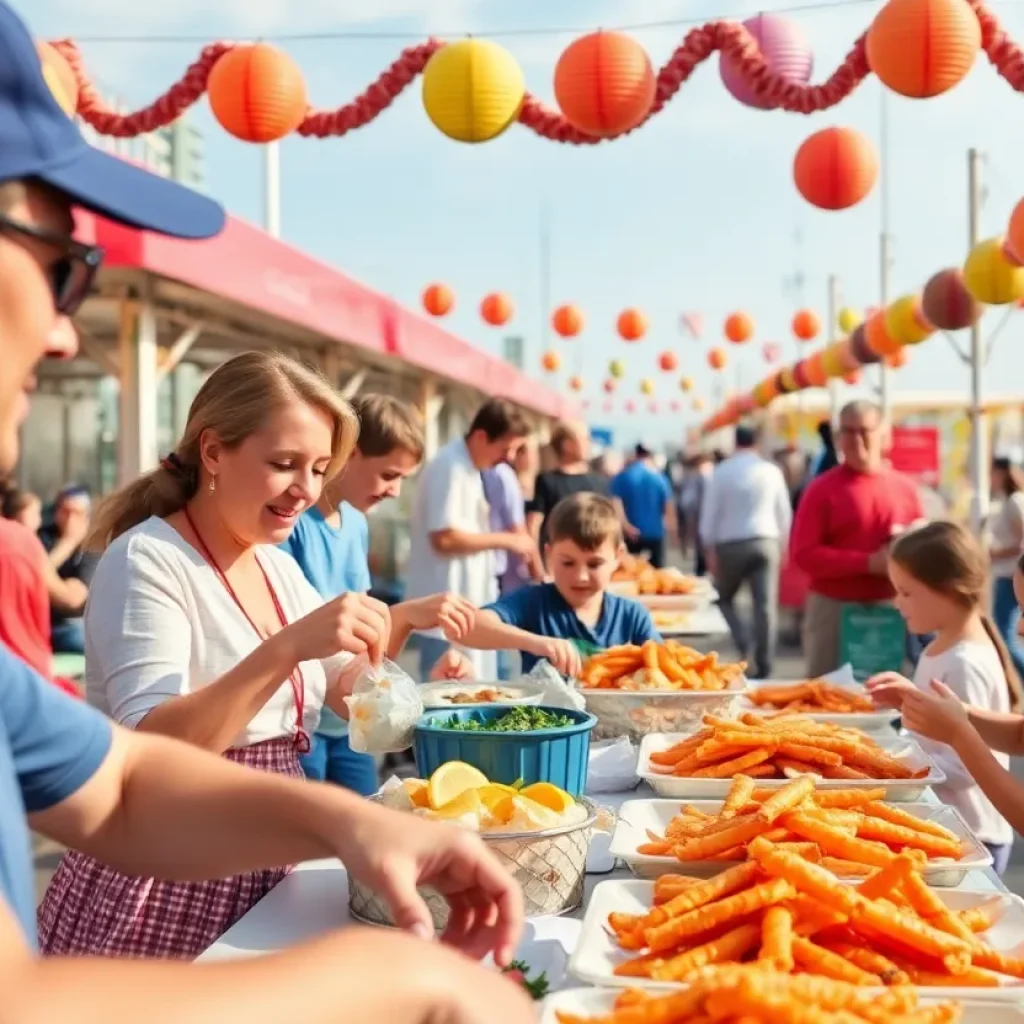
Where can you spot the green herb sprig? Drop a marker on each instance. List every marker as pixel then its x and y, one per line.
pixel 521 718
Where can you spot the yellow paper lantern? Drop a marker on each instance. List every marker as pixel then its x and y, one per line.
pixel 473 90
pixel 905 323
pixel 617 369
pixel 685 383
pixel 647 386
pixel 990 277
pixel 787 380
pixel 832 360
pixel 848 319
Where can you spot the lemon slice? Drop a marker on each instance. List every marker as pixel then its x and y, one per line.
pixel 501 811
pixel 494 793
pixel 452 779
pixel 467 803
pixel 416 789
pixel 530 816
pixel 549 795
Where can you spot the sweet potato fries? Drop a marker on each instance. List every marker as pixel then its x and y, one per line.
pixel 812 696
pixel 654 666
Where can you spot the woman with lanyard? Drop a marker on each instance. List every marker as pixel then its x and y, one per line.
pixel 198 627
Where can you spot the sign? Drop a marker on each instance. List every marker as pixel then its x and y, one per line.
pixel 513 350
pixel 915 451
pixel 604 436
pixel 872 638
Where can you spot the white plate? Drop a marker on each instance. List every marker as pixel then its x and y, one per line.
pixel 597 1002
pixel 867 721
pixel 434 695
pixel 597 953
pixel 896 790
pixel 637 816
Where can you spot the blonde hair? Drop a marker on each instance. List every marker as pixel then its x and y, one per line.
pixel 587 519
pixel 386 424
pixel 563 431
pixel 234 402
pixel 945 557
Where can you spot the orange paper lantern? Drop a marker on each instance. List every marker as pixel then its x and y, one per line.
pixel 576 383
pixel 717 359
pixel 685 383
pixel 698 404
pixel 738 328
pixel 496 309
pixel 806 325
pixel 835 168
pixel 922 48
pixel 551 361
pixel 853 377
pixel 1013 244
pixel 59 77
pixel 877 336
pixel 897 359
pixel 668 361
pixel 604 84
pixel 257 93
pixel 631 325
pixel 815 370
pixel 438 299
pixel 567 321
pixel 609 386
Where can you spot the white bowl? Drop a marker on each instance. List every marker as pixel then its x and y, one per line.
pixel 438 695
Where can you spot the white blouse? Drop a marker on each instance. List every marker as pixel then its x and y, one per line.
pixel 159 623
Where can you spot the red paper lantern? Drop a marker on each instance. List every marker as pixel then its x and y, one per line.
pixel 496 309
pixel 947 303
pixel 806 325
pixel 552 361
pixel 835 168
pixel 609 386
pixel 668 361
pixel 59 77
pixel 771 352
pixel 438 299
pixel 631 325
pixel 257 93
pixel 607 406
pixel 567 321
pixel 1013 245
pixel 629 405
pixel 604 84
pixel 717 359
pixel 738 328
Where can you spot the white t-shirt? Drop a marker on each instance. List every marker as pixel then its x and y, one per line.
pixel 746 498
pixel 1005 531
pixel 974 673
pixel 159 624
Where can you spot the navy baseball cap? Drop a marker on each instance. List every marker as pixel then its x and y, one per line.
pixel 39 141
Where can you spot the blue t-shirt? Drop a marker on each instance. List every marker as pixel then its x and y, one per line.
pixel 50 746
pixel 644 493
pixel 542 610
pixel 335 561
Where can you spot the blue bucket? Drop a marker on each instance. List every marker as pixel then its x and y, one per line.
pixel 559 756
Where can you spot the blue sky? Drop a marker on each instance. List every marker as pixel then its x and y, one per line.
pixel 694 212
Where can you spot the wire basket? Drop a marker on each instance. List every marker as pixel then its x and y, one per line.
pixel 549 866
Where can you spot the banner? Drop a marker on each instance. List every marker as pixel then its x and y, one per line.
pixel 916 452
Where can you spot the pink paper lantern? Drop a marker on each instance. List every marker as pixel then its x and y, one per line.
pixel 607 407
pixel 785 49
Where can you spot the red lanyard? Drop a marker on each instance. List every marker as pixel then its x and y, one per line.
pixel 296 680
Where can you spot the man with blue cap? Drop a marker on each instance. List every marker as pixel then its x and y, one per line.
pixel 150 805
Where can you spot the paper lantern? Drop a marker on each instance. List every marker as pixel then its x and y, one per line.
pixel 766 392
pixel 567 321
pixel 848 319
pixel 853 377
pixel 877 336
pixel 552 361
pixel 947 303
pixel 785 381
pixel 905 323
pixel 859 348
pixel 806 325
pixel 609 386
pixel 717 359
pixel 698 405
pixel 59 77
pixel 617 368
pixel 990 277
pixel 604 84
pixel 1013 245
pixel 257 93
pixel 675 405
pixel 652 406
pixel 607 406
pixel 496 309
pixel 438 299
pixel 738 328
pixel 785 49
pixel 922 48
pixel 686 384
pixel 835 168
pixel 668 361
pixel 647 387
pixel 815 369
pixel 629 405
pixel 473 90
pixel 771 352
pixel 898 359
pixel 631 325
pixel 576 383
pixel 800 375
pixel 832 360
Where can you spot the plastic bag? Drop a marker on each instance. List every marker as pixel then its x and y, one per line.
pixel 557 692
pixel 384 708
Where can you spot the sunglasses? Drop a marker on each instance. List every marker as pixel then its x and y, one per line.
pixel 71 274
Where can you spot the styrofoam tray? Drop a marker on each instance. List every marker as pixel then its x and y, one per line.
pixel 637 816
pixel 682 788
pixel 597 953
pixel 866 721
pixel 434 694
pixel 599 1002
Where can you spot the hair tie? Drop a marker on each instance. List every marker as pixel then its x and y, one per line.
pixel 172 464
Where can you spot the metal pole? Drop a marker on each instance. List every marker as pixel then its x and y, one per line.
pixel 272 189
pixel 979 442
pixel 834 299
pixel 884 255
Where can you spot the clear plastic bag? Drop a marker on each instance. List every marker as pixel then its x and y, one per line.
pixel 557 692
pixel 384 708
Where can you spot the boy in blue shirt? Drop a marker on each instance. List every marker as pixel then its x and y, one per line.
pixel 574 616
pixel 331 543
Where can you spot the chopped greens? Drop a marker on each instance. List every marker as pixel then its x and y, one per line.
pixel 518 719
pixel 519 971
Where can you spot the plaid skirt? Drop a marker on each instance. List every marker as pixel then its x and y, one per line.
pixel 89 909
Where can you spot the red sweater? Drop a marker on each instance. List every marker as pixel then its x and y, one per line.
pixel 24 601
pixel 843 518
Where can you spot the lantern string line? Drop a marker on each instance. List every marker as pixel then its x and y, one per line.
pixel 727 37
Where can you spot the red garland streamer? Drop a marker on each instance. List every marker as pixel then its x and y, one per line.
pixel 698 45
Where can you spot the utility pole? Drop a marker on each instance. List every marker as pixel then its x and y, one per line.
pixel 272 189
pixel 884 254
pixel 979 425
pixel 834 300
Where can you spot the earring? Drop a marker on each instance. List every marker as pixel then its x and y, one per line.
pixel 213 484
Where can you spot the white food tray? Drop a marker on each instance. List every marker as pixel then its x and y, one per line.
pixel 597 954
pixel 637 816
pixel 598 1002
pixel 437 695
pixel 682 788
pixel 866 721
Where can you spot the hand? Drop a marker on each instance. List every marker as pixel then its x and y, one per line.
pixel 711 562
pixel 889 689
pixel 395 854
pixel 564 655
pixel 521 544
pixel 453 665
pixel 630 532
pixel 878 563
pixel 352 622
pixel 454 614
pixel 938 715
pixel 76 526
pixel 534 566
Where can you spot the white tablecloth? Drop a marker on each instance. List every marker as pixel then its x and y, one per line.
pixel 708 622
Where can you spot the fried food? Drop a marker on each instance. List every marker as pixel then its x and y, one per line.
pixel 813 696
pixel 654 666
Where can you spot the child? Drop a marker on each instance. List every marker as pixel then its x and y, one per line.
pixel 331 544
pixel 574 616
pixel 940 575
pixel 23 507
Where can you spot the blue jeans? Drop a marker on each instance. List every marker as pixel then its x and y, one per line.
pixel 331 759
pixel 68 637
pixel 1006 616
pixel 1000 855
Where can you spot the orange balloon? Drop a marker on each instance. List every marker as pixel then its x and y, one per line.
pixel 717 359
pixel 257 93
pixel 604 84
pixel 738 328
pixel 551 361
pixel 877 337
pixel 567 321
pixel 835 168
pixel 853 377
pixel 631 325
pixel 496 309
pixel 921 48
pixel 59 77
pixel 897 359
pixel 814 368
pixel 438 299
pixel 806 325
pixel 668 361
